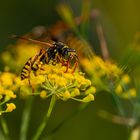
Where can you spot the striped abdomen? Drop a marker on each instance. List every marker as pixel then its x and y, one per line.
pixel 26 69
pixel 33 64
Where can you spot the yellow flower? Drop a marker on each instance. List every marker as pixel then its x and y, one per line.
pixel 7 78
pixel 66 95
pixel 10 94
pixel 88 98
pixel 9 83
pixel 126 79
pixel 43 94
pixel 133 92
pixel 101 72
pixel 119 89
pixel 17 80
pixel 84 84
pixel 87 65
pixel 91 90
pixel 1 89
pixel 57 80
pixel 60 81
pixel 37 79
pixel 113 69
pixel 10 107
pixel 68 76
pixel 75 92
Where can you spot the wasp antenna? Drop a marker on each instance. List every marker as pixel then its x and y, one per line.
pixel 32 40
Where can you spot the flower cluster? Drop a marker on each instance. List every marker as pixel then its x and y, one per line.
pixel 9 83
pixel 104 72
pixel 100 72
pixel 50 80
pixel 123 87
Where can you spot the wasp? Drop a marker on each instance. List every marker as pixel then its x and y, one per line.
pixel 56 52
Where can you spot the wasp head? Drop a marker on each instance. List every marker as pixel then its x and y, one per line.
pixel 69 53
pixel 66 52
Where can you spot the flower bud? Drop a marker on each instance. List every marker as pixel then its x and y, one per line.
pixel 75 92
pixel 10 107
pixel 66 95
pixel 88 98
pixel 43 94
pixel 91 90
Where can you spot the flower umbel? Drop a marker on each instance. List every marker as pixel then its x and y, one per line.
pixel 52 79
pixel 103 72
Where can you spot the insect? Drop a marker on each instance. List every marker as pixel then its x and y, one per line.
pixel 56 52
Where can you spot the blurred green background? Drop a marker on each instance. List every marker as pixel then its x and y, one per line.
pixel 121 18
pixel 120 21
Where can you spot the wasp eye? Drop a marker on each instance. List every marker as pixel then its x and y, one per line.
pixel 65 51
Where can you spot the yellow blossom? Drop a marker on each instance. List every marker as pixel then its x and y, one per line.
pixel 24 82
pixel 8 85
pixel 17 80
pixel 37 79
pixel 10 93
pixel 75 92
pixel 66 95
pixel 126 79
pixel 88 98
pixel 91 90
pixel 89 67
pixel 84 83
pixel 133 92
pixel 119 89
pixel 7 78
pixel 10 107
pixel 58 80
pixel 1 89
pixel 68 76
pixel 43 94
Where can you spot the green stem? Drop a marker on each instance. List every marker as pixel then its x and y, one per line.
pixel 119 104
pixel 5 100
pixel 45 120
pixel 79 100
pixel 26 119
pixel 66 120
pixel 117 101
pixel 5 128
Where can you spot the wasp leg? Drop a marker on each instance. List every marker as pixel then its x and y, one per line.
pixel 32 87
pixel 59 60
pixel 75 66
pixel 67 66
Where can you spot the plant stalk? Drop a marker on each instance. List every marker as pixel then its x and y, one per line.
pixel 26 119
pixel 45 120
